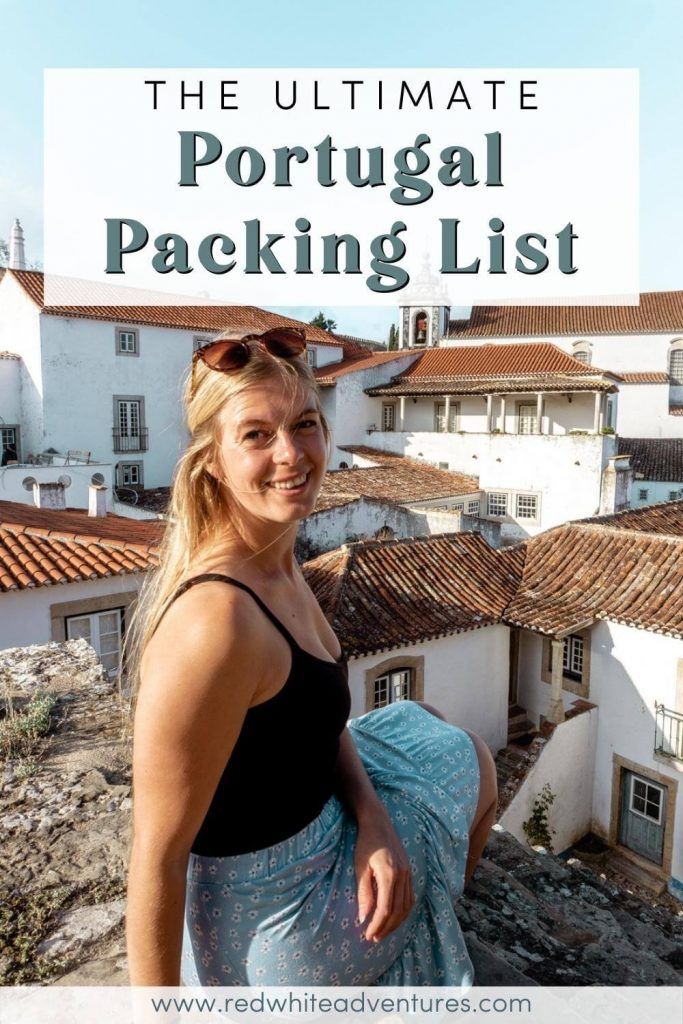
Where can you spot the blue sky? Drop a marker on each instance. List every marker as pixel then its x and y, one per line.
pixel 314 33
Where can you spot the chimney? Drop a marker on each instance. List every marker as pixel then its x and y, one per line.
pixel 49 496
pixel 17 256
pixel 617 480
pixel 97 500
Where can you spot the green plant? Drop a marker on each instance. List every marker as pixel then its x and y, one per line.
pixel 21 731
pixel 607 430
pixel 537 828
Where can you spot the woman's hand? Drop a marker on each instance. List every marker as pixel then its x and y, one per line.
pixel 385 884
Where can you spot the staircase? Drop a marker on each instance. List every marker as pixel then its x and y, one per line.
pixel 514 761
pixel 519 726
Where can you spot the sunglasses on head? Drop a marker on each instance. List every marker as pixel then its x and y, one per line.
pixel 229 354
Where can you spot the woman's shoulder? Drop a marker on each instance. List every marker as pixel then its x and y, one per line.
pixel 212 621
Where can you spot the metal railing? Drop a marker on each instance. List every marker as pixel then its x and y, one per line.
pixel 668 732
pixel 126 441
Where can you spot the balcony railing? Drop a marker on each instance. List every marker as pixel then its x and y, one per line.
pixel 125 441
pixel 668 732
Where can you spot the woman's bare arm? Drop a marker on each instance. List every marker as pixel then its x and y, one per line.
pixel 199 675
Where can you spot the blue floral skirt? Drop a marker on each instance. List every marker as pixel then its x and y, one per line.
pixel 287 915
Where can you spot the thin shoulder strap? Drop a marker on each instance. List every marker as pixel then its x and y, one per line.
pixel 217 577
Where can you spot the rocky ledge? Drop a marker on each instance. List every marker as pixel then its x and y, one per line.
pixel 529 918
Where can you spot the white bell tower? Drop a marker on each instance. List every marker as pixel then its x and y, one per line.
pixel 425 313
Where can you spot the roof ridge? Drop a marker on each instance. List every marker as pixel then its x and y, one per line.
pixel 54 533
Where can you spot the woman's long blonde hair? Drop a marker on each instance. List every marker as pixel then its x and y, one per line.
pixel 197 511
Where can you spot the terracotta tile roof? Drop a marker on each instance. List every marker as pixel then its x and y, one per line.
pixel 352 344
pixel 535 359
pixel 40 547
pixel 151 499
pixel 655 458
pixel 676 410
pixel 658 312
pixel 645 377
pixel 189 318
pixel 9 355
pixel 580 572
pixel 481 369
pixel 399 479
pixel 666 518
pixel 381 596
pixel 492 385
pixel 327 375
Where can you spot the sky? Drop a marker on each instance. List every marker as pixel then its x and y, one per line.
pixel 316 33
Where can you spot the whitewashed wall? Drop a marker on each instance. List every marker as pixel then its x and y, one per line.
pixel 644 412
pixel 565 470
pixel 25 614
pixel 351 411
pixel 466 678
pixel 361 519
pixel 657 490
pixel 560 415
pixel 20 333
pixel 10 390
pixel 630 670
pixel 643 409
pixel 76 494
pixel 572 743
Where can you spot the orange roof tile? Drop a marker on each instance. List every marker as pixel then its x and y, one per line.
pixel 482 369
pixel 658 312
pixel 666 517
pixel 379 596
pixel 534 359
pixel 39 547
pixel 645 377
pixel 327 375
pixel 397 479
pixel 9 355
pixel 189 318
pixel 626 568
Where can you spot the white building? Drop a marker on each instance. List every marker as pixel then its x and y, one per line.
pixel 598 617
pixel 578 626
pixel 530 421
pixel 108 379
pixel 657 464
pixel 643 344
pixel 66 574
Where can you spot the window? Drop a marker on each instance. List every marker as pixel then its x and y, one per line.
pixel 103 631
pixel 673 495
pixel 646 799
pixel 127 341
pixel 642 494
pixel 130 434
pixel 393 686
pixel 497 504
pixel 421 324
pixel 527 506
pixel 443 465
pixel 459 506
pixel 676 367
pixel 9 443
pixel 200 342
pixel 312 357
pixel 572 658
pixel 526 419
pixel 472 508
pixel 388 416
pixel 130 474
pixel 609 418
pixel 581 350
pixel 440 417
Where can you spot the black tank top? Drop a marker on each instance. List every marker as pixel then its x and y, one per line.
pixel 281 771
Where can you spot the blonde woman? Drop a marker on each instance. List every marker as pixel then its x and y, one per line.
pixel 272 844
